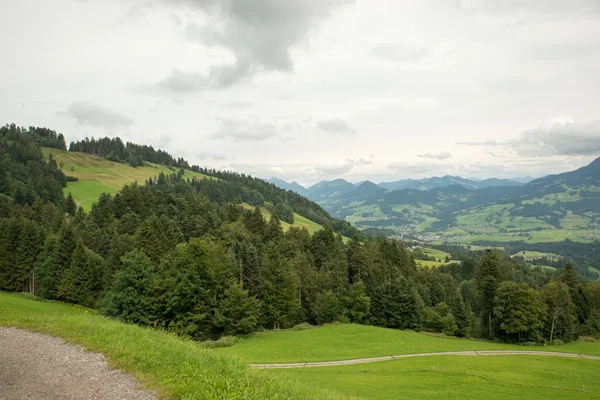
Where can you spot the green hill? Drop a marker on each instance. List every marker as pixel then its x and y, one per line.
pixel 98 175
pixel 173 366
pixel 348 341
pixel 549 209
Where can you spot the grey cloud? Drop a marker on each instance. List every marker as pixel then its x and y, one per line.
pixel 340 168
pixel 397 52
pixel 210 156
pixel 554 138
pixel 164 141
pixel 444 155
pixel 183 82
pixel 423 168
pixel 91 114
pixel 541 7
pixel 240 131
pixel 569 138
pixel 361 161
pixel 335 169
pixel 259 33
pixel 336 126
pixel 486 143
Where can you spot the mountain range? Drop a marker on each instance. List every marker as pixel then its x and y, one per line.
pixel 465 211
pixel 328 188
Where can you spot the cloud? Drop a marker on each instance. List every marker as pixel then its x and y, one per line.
pixel 183 82
pixel 361 161
pixel 210 156
pixel 334 168
pixel 566 137
pixel 244 131
pixel 444 155
pixel 422 168
pixel 335 126
pixel 489 143
pixel 541 7
pixel 164 141
pixel 340 168
pixel 557 137
pixel 91 114
pixel 397 52
pixel 258 33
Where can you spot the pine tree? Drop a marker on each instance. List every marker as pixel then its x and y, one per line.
pixel 238 312
pixel 81 282
pixel 71 207
pixel 129 296
pixel 487 280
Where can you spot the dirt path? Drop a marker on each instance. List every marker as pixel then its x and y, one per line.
pixel 41 367
pixel 451 353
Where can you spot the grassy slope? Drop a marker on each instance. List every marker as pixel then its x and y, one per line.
pixel 448 377
pixel 343 342
pixel 174 367
pixel 299 221
pixel 97 175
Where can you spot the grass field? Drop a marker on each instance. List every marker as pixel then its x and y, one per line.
pixel 173 367
pixel 448 377
pixel 345 342
pixel 533 255
pixel 437 254
pixel 434 264
pixel 299 221
pixel 98 175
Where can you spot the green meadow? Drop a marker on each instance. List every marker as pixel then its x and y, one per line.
pixel 172 367
pixel 349 341
pixel 452 377
pixel 299 221
pixel 97 175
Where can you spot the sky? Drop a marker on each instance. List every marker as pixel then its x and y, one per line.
pixel 311 90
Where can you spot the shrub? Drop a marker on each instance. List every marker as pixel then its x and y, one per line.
pixel 225 341
pixel 302 327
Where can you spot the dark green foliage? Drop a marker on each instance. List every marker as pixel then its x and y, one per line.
pixel 561 313
pixel 157 236
pixel 129 296
pixel 327 308
pixel 187 257
pixel 520 311
pixel 238 313
pixel 358 304
pixel 81 281
pixel 397 305
pixel 190 284
pixel 488 280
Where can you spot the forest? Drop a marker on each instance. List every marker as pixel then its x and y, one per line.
pixel 185 256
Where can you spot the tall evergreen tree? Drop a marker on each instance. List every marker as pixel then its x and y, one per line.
pixel 487 278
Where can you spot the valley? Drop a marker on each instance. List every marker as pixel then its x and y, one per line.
pixel 464 212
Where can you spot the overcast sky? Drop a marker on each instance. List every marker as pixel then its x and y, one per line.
pixel 308 90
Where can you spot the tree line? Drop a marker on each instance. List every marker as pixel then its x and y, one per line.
pixel 173 254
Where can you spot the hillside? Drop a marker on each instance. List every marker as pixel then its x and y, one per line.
pixel 98 175
pixel 445 181
pixel 548 209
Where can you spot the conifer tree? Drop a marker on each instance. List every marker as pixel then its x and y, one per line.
pixel 81 282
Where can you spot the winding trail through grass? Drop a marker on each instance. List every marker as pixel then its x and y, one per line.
pixel 447 353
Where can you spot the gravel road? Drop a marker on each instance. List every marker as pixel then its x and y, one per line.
pixel 41 367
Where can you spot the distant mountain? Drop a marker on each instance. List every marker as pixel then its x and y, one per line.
pixel 467 211
pixel 587 177
pixel 445 181
pixel 327 190
pixel 523 179
pixel 294 187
